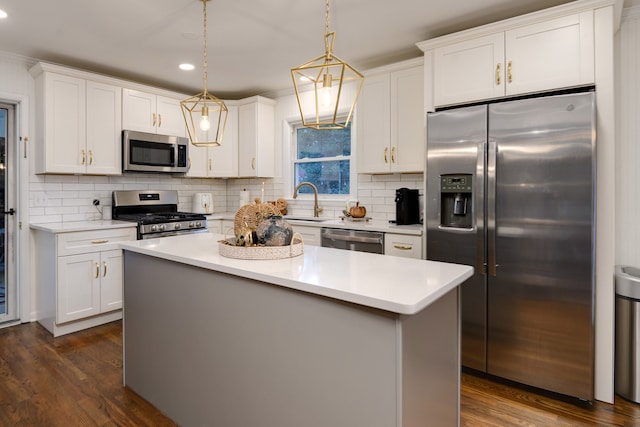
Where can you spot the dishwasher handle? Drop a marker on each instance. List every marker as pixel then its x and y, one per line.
pixel 354 238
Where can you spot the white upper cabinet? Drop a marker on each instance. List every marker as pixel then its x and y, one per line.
pixel 217 162
pixel 256 138
pixel 390 123
pixel 545 55
pixel 104 129
pixel 147 112
pixel 80 122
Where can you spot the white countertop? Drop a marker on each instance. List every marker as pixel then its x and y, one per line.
pixel 395 284
pixel 66 227
pixel 372 225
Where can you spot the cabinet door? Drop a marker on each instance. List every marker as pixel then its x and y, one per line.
pixel 373 125
pixel 198 162
pixel 408 139
pixel 65 124
pixel 111 269
pixel 169 117
pixel 78 287
pixel 310 235
pixel 138 111
pixel 470 70
pixel 247 135
pixel 104 129
pixel 552 54
pixel 224 159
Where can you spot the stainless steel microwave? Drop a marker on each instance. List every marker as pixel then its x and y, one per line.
pixel 150 152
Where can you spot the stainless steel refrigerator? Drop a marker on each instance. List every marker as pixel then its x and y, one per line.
pixel 510 191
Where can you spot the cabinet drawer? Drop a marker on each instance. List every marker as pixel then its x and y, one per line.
pixel 403 245
pixel 92 241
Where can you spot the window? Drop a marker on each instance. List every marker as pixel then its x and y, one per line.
pixel 322 157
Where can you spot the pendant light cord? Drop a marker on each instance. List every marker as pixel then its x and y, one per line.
pixel 204 51
pixel 326 19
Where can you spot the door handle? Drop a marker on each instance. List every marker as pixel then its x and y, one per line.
pixel 10 212
pixel 492 159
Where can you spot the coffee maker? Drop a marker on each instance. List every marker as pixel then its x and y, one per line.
pixel 407 206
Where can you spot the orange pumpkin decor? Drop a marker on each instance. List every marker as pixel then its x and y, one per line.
pixel 358 211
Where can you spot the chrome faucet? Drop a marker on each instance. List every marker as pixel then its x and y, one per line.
pixel 316 209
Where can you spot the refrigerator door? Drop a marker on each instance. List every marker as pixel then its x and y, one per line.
pixel 456 143
pixel 541 249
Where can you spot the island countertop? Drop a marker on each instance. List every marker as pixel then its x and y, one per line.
pixel 399 285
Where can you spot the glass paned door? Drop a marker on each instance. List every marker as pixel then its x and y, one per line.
pixel 8 297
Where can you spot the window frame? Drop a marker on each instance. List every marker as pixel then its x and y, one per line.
pixel 290 160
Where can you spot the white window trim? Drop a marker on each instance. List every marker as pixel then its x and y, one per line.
pixel 333 200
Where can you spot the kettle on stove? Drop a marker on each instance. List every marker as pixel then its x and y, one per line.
pixel 202 203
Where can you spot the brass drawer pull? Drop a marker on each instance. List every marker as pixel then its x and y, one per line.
pixel 498 74
pixel 97 270
pixel 510 72
pixel 99 242
pixel 104 264
pixel 403 247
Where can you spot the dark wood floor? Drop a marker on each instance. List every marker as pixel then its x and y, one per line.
pixel 76 380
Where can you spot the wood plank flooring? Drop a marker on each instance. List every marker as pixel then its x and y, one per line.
pixel 76 380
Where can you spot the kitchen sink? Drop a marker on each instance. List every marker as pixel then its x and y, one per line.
pixel 305 218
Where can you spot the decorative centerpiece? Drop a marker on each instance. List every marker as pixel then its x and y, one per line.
pixel 261 233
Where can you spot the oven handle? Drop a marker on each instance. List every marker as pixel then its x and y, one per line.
pixel 356 239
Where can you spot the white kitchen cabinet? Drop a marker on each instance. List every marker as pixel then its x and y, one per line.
pixel 310 234
pixel 403 245
pixel 256 137
pixel 226 227
pixel 390 122
pixel 214 226
pixel 546 55
pixel 79 277
pixel 80 122
pixel 147 112
pixel 217 162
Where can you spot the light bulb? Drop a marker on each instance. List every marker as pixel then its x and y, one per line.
pixel 205 124
pixel 325 90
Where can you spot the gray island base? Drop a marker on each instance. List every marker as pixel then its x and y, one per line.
pixel 214 349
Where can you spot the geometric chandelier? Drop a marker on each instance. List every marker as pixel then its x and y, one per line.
pixel 204 114
pixel 331 82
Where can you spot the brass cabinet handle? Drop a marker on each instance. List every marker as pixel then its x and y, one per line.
pixel 159 120
pixel 90 157
pixel 97 270
pixel 189 162
pixel 403 247
pixel 498 74
pixel 84 157
pixel 253 163
pixel 510 72
pixel 99 242
pixel 386 151
pixel 104 265
pixel 210 164
pixel 154 119
pixel 393 154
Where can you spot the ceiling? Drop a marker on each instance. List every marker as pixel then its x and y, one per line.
pixel 252 44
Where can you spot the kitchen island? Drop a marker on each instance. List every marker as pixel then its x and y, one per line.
pixel 328 338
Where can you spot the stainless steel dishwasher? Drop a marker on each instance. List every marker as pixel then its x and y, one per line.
pixel 352 240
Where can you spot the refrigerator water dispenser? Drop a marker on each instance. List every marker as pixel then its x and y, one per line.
pixel 456 193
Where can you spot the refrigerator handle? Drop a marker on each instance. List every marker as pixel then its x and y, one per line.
pixel 479 214
pixel 492 155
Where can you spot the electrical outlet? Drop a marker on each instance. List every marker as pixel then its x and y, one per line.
pixel 41 199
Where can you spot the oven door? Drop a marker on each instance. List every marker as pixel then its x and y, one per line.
pixel 172 233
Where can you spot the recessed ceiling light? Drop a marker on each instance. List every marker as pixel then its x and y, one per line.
pixel 187 67
pixel 3 14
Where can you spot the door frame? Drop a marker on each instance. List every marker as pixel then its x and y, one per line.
pixel 22 160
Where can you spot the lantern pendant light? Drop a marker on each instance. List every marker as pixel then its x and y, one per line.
pixel 333 83
pixel 204 114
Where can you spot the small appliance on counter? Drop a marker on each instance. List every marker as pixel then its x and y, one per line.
pixel 407 206
pixel 202 203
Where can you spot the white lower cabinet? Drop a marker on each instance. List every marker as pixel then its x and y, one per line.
pixel 403 245
pixel 310 235
pixel 79 278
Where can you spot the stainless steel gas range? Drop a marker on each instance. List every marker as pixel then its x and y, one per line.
pixel 156 213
